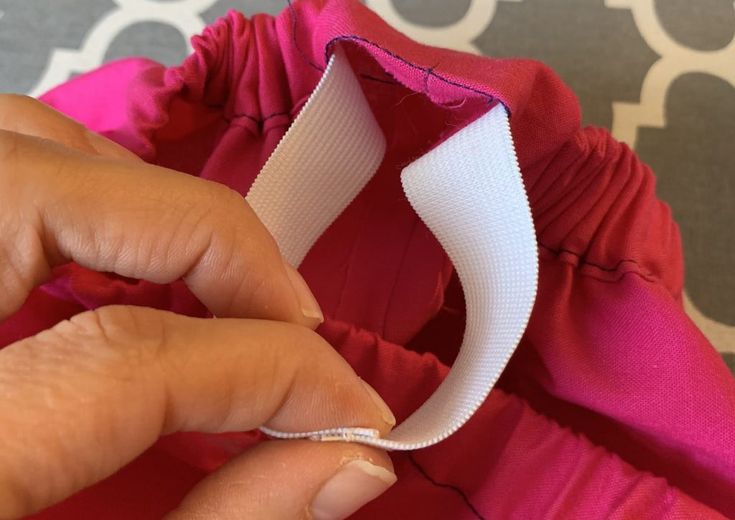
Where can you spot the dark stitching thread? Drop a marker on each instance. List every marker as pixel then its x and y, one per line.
pixel 314 65
pixel 260 121
pixel 429 70
pixel 428 74
pixel 584 261
pixel 454 488
pixel 295 43
pixel 490 99
pixel 257 120
pixel 276 114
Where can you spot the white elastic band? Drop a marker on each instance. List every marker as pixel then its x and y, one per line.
pixel 327 156
pixel 470 194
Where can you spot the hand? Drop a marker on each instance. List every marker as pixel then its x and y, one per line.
pixel 86 397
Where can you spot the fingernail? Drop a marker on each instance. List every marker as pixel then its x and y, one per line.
pixel 385 412
pixel 355 484
pixel 309 306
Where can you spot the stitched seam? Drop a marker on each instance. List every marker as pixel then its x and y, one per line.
pixel 255 119
pixel 429 71
pixel 314 65
pixel 294 21
pixel 585 261
pixel 261 120
pixel 427 75
pixel 444 485
pixel 582 261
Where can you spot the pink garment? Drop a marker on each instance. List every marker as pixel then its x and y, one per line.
pixel 614 406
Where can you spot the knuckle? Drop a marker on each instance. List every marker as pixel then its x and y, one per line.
pixel 250 287
pixel 223 195
pixel 15 279
pixel 304 344
pixel 9 148
pixel 10 157
pixel 131 337
pixel 220 223
pixel 237 226
pixel 230 210
pixel 212 198
pixel 290 345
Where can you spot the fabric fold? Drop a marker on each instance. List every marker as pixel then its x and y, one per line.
pixel 614 406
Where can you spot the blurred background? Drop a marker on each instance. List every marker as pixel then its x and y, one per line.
pixel 659 74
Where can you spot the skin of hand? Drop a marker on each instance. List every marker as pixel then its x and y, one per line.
pixel 82 399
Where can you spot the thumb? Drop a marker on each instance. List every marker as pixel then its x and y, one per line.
pixel 291 480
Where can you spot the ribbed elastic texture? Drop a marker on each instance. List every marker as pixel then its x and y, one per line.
pixel 330 152
pixel 470 194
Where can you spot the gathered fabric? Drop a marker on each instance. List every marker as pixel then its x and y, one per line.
pixel 614 404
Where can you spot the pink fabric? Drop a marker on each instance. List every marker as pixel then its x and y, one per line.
pixel 615 405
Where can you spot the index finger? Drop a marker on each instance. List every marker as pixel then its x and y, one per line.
pixel 25 115
pixel 141 221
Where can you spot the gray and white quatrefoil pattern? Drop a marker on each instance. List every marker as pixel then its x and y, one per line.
pixel 659 73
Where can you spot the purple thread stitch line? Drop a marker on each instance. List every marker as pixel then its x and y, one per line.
pixel 453 487
pixel 429 71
